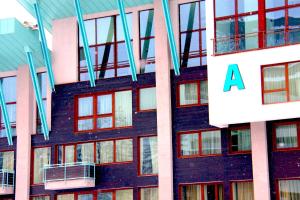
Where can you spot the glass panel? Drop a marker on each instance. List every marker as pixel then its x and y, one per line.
pixel 211 142
pixel 42 157
pixel 41 198
pixel 105 196
pixel 69 154
pixel 123 71
pixel 85 197
pixel 275 22
pixel 147 49
pixel 105 57
pixel 294 81
pixel 120 33
pixel 274 77
pixel 286 136
pixel 104 104
pixel 123 108
pixel 9 85
pixel 105 122
pixel 85 152
pixel 85 124
pixel 294 25
pixel 66 197
pixel 289 189
pixel 85 106
pixel 225 32
pixel 82 57
pixel 245 6
pixel 189 144
pixel 240 140
pixel 188 93
pixel 248 32
pixel 124 195
pixel 203 92
pixel 293 2
pixel 146 23
pixel 7 161
pixel 105 152
pixel 203 14
pixel 148 155
pixel 147 98
pixel 189 16
pixel 90 32
pixel 274 3
pixel 42 78
pixel 105 30
pixel 122 55
pixel 190 48
pixel 149 193
pixel 224 7
pixel 242 190
pixel 11 110
pixel 275 97
pixel 191 192
pixel 124 150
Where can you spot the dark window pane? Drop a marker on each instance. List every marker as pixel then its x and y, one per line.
pixel 190 49
pixel 189 16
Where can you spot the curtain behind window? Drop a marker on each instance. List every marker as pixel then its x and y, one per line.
pixel 149 194
pixel 148 98
pixel 105 196
pixel 241 140
pixel 189 144
pixel 85 152
pixel 242 190
pixel 66 197
pixel 42 157
pixel 294 81
pixel 211 142
pixel 188 93
pixel 41 198
pixel 123 109
pixel 124 150
pixel 289 189
pixel 286 136
pixel 105 152
pixel 203 92
pixel 191 192
pixel 7 160
pixel 85 197
pixel 124 195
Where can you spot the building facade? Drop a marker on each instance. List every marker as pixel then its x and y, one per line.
pixel 226 128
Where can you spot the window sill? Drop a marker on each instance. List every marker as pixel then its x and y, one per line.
pixel 199 156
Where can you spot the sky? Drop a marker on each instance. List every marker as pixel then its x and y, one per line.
pixel 11 8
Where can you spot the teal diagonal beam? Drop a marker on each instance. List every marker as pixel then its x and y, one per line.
pixel 127 40
pixel 85 42
pixel 171 38
pixel 44 45
pixel 37 91
pixel 5 116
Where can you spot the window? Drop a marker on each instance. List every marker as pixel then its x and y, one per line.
pixel 40 198
pixel 149 193
pixel 209 191
pixel 289 189
pixel 104 111
pixel 65 197
pixel 116 195
pixel 281 83
pixel 242 190
pixel 147 99
pixel 107 48
pixel 43 86
pixel 41 157
pixel 102 152
pixel 192 94
pixel 240 140
pixel 193 34
pixel 147 42
pixel 9 87
pixel 7 161
pixel 200 143
pixel 148 163
pixel 286 135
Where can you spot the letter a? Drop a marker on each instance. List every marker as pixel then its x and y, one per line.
pixel 233 78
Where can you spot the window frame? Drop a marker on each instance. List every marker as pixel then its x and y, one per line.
pixel 201 184
pixel 40 195
pixel 199 154
pixel 139 99
pixel 274 142
pixel 239 181
pixel 286 76
pixel 38 120
pixel 283 179
pixel 95 114
pixel 198 82
pixel 230 152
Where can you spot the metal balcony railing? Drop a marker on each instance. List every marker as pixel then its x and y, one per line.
pixel 69 171
pixel 7 178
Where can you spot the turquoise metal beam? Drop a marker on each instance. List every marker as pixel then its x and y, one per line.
pixel 44 45
pixel 127 40
pixel 5 116
pixel 37 92
pixel 85 43
pixel 171 38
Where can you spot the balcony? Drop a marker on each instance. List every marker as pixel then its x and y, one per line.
pixel 255 41
pixel 7 182
pixel 69 176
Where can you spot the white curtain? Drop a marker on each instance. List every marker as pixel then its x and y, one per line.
pixel 42 157
pixel 189 144
pixel 105 196
pixel 124 150
pixel 188 93
pixel 149 194
pixel 86 124
pixel 286 136
pixel 85 106
pixel 85 152
pixel 41 198
pixel 105 152
pixel 203 92
pixel 149 162
pixel 69 154
pixel 243 139
pixel 242 191
pixel 123 108
pixel 294 81
pixel 289 189
pixel 65 197
pixel 104 104
pixel 7 160
pixel 124 195
pixel 211 142
pixel 191 192
pixel 147 98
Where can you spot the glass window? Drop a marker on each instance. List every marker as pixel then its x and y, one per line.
pixel 192 34
pixel 197 191
pixel 149 193
pixel 124 150
pixel 147 98
pixel 289 189
pixel 286 136
pixel 41 157
pixel 66 197
pixel 148 156
pixel 116 195
pixel 40 198
pixel 42 78
pixel 105 152
pixel 123 109
pixel 85 152
pixel 242 190
pixel 189 144
pixel 240 140
pixel 211 142
pixel 195 93
pixel 85 197
pixel 7 161
pixel 274 4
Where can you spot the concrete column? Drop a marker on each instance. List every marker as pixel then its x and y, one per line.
pixel 24 130
pixel 260 164
pixel 164 116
